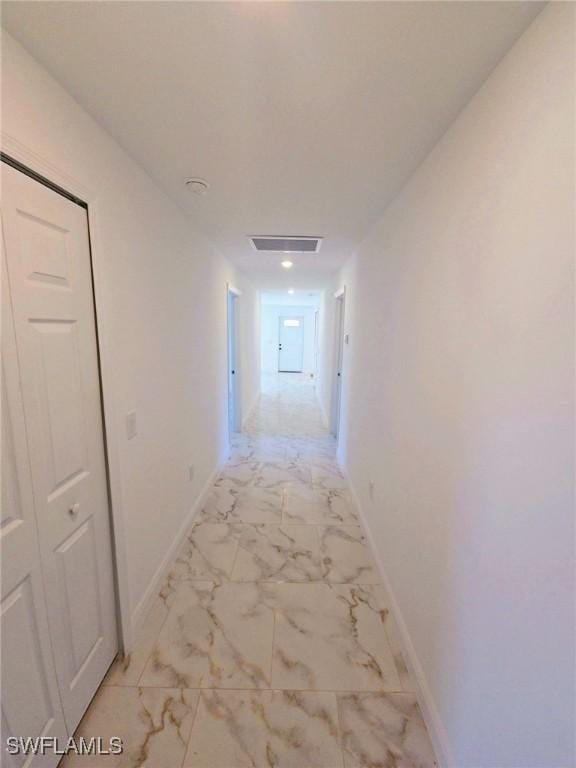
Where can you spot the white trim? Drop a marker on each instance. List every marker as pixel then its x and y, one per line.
pixel 236 381
pixel 40 165
pixel 233 290
pixel 157 580
pixel 250 409
pixel 325 419
pixel 436 730
pixel 339 331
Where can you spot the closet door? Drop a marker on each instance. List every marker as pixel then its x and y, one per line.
pixel 50 282
pixel 30 701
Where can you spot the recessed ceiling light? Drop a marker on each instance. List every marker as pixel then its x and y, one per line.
pixel 287 264
pixel 197 186
pixel 291 290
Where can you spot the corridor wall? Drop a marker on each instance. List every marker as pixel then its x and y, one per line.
pixel 459 408
pixel 161 299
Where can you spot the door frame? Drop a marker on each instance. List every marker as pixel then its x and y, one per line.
pixel 338 375
pixel 233 360
pixel 29 162
pixel 290 317
pixel 316 343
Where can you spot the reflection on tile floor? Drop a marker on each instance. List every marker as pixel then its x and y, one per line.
pixel 270 643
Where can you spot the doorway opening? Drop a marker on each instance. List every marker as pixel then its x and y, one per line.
pixel 234 416
pixel 289 333
pixel 339 313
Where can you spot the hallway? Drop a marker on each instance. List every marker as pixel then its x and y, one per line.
pixel 270 643
pixel 232 231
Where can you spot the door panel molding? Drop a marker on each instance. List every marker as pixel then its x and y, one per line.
pixel 84 194
pixel 56 343
pixel 27 658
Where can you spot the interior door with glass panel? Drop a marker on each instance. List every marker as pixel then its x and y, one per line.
pixel 290 344
pixel 50 283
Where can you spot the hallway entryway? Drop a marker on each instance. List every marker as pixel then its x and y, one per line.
pixel 270 643
pixel 288 366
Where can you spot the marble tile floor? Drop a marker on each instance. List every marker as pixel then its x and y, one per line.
pixel 270 643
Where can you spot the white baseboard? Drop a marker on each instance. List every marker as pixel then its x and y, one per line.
pixel 430 713
pixel 144 605
pixel 250 409
pixel 325 419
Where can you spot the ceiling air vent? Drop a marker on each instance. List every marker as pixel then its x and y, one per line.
pixel 286 244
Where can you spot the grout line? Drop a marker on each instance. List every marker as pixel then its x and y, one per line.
pixel 274 612
pixel 340 729
pixel 310 582
pixel 337 691
pixel 192 726
pixel 322 524
pixel 234 560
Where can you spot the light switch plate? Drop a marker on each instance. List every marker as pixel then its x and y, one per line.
pixel 131 427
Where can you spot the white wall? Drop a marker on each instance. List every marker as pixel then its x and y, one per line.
pixel 460 407
pixel 161 295
pixel 271 315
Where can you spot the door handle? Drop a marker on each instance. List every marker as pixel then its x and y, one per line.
pixel 280 346
pixel 74 509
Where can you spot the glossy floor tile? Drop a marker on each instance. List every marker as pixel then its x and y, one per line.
pixel 271 642
pixel 208 553
pixel 384 730
pixel 314 506
pixel 215 636
pixel 278 553
pixel 242 504
pixel 153 723
pixel 249 729
pixel 346 558
pixel 331 637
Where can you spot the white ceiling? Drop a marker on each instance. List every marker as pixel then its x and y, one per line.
pixel 305 117
pixel 283 299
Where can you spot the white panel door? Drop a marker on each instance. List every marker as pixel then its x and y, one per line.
pixel 30 700
pixel 339 343
pixel 291 344
pixel 49 271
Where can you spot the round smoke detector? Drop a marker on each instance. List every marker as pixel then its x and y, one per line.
pixel 197 186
